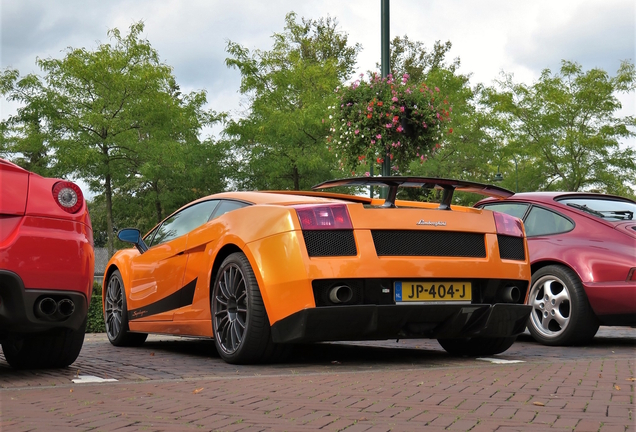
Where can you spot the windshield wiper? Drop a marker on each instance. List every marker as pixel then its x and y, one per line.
pixel 619 214
pixel 587 209
pixel 605 214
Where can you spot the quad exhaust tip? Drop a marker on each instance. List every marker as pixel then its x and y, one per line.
pixel 66 307
pixel 54 310
pixel 47 307
pixel 340 294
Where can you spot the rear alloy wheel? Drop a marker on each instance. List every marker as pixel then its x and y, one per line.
pixel 561 314
pixel 53 349
pixel 477 346
pixel 116 315
pixel 241 327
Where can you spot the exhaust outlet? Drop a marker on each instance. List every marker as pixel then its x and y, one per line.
pixel 340 294
pixel 65 307
pixel 511 294
pixel 46 307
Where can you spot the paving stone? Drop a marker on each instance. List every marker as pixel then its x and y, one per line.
pixel 378 386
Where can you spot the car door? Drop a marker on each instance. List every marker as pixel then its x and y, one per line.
pixel 199 241
pixel 157 276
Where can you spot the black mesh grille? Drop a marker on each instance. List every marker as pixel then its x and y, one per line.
pixel 429 243
pixel 511 248
pixel 330 243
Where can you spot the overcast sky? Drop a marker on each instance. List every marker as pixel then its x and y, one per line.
pixel 489 36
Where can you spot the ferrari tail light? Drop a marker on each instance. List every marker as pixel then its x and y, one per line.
pixel 68 196
pixel 323 217
pixel 508 225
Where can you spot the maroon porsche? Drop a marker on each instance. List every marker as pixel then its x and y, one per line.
pixel 583 257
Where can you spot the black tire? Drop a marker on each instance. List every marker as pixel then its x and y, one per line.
pixel 561 313
pixel 116 315
pixel 53 349
pixel 242 333
pixel 477 346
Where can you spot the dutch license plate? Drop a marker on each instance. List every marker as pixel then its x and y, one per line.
pixel 432 291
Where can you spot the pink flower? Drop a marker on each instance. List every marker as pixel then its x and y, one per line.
pixel 401 109
pixel 399 129
pixel 369 108
pixel 378 136
pixel 437 89
pixel 408 90
pixel 372 141
pixel 394 99
pixel 438 116
pixel 367 174
pixel 389 125
pixel 424 125
pixel 349 123
pixel 405 77
pixel 357 131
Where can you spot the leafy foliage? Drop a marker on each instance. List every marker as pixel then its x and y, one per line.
pixel 114 117
pixel 280 142
pixel 563 131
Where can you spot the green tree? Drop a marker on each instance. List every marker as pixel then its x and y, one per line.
pixel 106 114
pixel 563 129
pixel 281 142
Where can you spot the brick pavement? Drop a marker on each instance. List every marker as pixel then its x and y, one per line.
pixel 180 385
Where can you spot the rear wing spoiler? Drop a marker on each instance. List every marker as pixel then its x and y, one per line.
pixel 449 186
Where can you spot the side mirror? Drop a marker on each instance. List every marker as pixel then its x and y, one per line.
pixel 132 235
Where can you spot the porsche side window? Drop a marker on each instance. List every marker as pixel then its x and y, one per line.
pixel 227 206
pixel 542 222
pixel 513 209
pixel 185 221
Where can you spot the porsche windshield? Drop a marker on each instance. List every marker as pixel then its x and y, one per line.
pixel 610 209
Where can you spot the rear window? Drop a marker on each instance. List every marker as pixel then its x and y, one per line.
pixel 605 208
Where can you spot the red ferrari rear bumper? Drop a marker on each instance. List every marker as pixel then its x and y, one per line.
pixel 44 259
pixel 49 253
pixel 617 299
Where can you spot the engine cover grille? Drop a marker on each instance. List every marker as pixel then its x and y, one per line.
pixel 428 243
pixel 511 247
pixel 330 243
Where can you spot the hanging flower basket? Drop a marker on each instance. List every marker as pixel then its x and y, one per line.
pixel 381 117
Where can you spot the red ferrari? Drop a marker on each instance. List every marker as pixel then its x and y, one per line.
pixel 583 257
pixel 46 268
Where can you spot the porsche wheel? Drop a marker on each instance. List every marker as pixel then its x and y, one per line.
pixel 53 349
pixel 477 346
pixel 116 315
pixel 561 314
pixel 239 319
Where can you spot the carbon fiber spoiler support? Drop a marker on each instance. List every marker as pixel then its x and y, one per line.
pixel 449 186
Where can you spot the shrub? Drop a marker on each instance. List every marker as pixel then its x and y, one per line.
pixel 95 319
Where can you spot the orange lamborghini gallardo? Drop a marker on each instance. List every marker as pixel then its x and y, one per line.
pixel 259 271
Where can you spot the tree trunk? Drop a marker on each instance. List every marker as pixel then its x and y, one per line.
pixel 158 208
pixel 296 177
pixel 109 214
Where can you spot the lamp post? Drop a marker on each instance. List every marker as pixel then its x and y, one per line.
pixel 386 165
